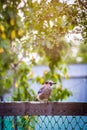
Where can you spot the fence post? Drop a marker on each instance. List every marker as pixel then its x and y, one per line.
pixel 15 123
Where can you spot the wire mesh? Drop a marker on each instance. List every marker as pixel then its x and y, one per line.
pixel 43 123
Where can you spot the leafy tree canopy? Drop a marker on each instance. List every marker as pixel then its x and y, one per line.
pixel 81 8
pixel 29 28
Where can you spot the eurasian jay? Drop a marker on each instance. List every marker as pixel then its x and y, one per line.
pixel 45 91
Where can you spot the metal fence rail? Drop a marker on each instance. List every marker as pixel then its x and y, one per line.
pixel 43 116
pixel 44 123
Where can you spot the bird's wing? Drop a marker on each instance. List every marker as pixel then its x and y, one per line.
pixel 41 90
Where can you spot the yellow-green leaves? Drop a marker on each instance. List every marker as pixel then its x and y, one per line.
pixel 2 29
pixel 13 34
pixel 12 22
pixel 1 50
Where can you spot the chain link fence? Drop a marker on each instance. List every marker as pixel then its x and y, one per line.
pixel 43 123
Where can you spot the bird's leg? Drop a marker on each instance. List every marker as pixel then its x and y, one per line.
pixel 46 101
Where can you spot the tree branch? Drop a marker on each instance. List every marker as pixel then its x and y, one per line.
pixel 83 4
pixel 15 65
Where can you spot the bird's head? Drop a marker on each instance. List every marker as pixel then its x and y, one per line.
pixel 50 82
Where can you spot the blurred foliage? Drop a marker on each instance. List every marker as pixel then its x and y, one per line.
pixel 82 53
pixel 23 91
pixel 59 94
pixel 81 7
pixel 26 122
pixel 80 56
pixel 30 32
pixel 77 50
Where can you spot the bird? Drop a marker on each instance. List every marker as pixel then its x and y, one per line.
pixel 45 91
